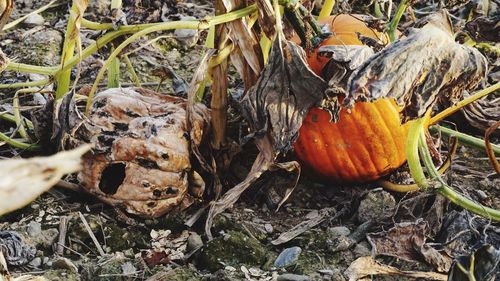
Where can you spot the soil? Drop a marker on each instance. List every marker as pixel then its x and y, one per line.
pixel 116 246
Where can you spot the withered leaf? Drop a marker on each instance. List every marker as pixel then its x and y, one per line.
pixel 418 69
pixel 282 96
pixel 485 264
pixel 367 266
pixel 484 29
pixel 407 241
pixel 6 7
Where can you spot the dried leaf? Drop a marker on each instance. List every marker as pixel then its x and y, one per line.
pixel 418 69
pixel 266 18
pixel 283 95
pixel 407 241
pixel 483 113
pixel 247 54
pixel 4 61
pixel 482 264
pixel 304 226
pixel 23 180
pixel 6 7
pixel 366 266
pixel 483 29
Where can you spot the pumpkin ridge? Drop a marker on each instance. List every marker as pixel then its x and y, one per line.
pixel 337 155
pixel 313 134
pixel 393 139
pixel 364 119
pixel 356 173
pixel 351 123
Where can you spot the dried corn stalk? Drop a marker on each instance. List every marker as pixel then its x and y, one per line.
pixel 23 180
pixel 141 149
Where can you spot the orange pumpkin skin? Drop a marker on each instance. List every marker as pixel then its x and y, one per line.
pixel 343 28
pixel 365 144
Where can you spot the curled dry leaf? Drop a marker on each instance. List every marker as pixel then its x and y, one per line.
pixel 481 265
pixel 407 241
pixel 418 69
pixel 16 251
pixel 483 113
pixel 279 101
pixel 367 266
pixel 274 108
pixel 23 180
pixel 141 148
pixel 483 29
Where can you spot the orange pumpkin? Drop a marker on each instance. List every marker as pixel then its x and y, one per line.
pixel 365 144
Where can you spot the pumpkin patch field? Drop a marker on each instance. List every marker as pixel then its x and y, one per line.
pixel 249 140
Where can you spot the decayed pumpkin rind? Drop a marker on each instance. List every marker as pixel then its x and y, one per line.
pixel 146 132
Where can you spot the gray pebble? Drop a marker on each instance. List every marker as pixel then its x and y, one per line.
pixel 194 242
pixel 36 262
pixel 269 228
pixel 34 20
pixel 293 277
pixel 338 231
pixel 287 257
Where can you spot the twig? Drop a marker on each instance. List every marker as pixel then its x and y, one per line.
pixel 91 234
pixel 63 230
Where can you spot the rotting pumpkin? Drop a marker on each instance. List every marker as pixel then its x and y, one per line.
pixel 365 144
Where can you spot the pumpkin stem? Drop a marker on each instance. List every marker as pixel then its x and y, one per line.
pixel 414 187
pixel 440 186
pixel 452 109
pixel 464 138
pixel 393 25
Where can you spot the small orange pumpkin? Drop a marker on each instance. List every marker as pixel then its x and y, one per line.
pixel 365 144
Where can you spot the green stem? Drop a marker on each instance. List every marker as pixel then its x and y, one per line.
pixel 412 153
pixel 326 10
pixel 205 24
pixel 448 192
pixel 16 109
pixel 130 68
pixel 15 143
pixel 377 11
pixel 463 138
pixel 10 118
pixel 452 109
pixel 26 84
pixel 114 73
pixel 393 25
pixel 71 39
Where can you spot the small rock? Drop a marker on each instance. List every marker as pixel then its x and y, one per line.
pixel 194 242
pixel 288 257
pixel 34 229
pixel 481 194
pixel 269 228
pixel 326 272
pixel 338 231
pixel 362 250
pixel 128 269
pixel 34 20
pixel 293 277
pixel 376 206
pixel 187 37
pixel 46 260
pixel 64 263
pixel 36 262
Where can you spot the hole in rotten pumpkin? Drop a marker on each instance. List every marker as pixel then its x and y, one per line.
pixel 112 177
